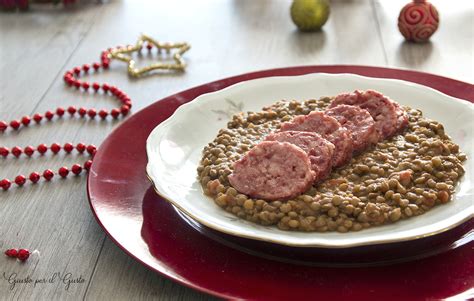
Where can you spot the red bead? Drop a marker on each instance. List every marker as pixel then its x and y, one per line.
pixel 87 165
pixel 11 253
pixel 4 151
pixel 76 169
pixel 37 117
pixel 60 111
pixel 16 151
pixel 96 86
pixel 49 115
pixel 71 110
pixel 26 120
pixel 105 87
pixel 86 67
pixel 68 147
pixel 91 113
pixel 91 149
pixel 34 177
pixel 96 66
pixel 149 46
pixel 77 70
pixel 113 90
pixel 5 184
pixel 63 171
pixel 42 148
pixel 29 151
pixel 124 110
pixel 77 83
pixel 128 103
pixel 3 126
pixel 115 113
pixel 105 64
pixel 82 112
pixel 55 148
pixel 81 147
pixel 20 180
pixel 48 174
pixel 85 85
pixel 23 254
pixel 15 124
pixel 103 113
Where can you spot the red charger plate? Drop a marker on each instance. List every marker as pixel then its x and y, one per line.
pixel 150 230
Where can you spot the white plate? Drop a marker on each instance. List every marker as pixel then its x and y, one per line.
pixel 174 151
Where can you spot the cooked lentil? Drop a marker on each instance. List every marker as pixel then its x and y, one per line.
pixel 399 178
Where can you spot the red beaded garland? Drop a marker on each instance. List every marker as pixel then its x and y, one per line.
pixel 71 78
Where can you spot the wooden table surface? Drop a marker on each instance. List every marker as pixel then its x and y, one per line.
pixel 228 37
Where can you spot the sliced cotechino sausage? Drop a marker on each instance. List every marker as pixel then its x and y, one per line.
pixel 319 150
pixel 360 124
pixel 382 109
pixel 329 128
pixel 273 170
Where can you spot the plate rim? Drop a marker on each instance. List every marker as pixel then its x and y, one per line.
pixel 464 215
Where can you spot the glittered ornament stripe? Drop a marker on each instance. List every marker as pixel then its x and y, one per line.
pixel 72 79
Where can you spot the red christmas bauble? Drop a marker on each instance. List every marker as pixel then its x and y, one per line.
pixel 418 21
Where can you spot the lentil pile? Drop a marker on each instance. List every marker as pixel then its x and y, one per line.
pixel 399 178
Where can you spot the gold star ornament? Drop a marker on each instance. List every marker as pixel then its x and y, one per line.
pixel 123 54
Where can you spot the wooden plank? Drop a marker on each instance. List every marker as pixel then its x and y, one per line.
pixel 125 279
pixel 53 218
pixel 450 52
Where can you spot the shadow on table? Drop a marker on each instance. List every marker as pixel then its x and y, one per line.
pixel 307 42
pixel 414 54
